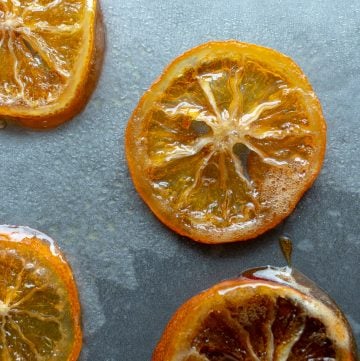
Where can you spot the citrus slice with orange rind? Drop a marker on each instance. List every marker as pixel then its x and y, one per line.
pixel 39 306
pixel 268 314
pixel 50 54
pixel 224 144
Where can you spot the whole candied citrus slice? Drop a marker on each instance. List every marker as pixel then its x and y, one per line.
pixel 226 141
pixel 39 306
pixel 48 59
pixel 266 314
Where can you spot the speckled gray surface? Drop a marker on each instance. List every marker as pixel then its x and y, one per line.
pixel 73 183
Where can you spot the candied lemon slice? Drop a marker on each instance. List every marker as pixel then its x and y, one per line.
pixel 265 315
pixel 226 141
pixel 39 306
pixel 47 54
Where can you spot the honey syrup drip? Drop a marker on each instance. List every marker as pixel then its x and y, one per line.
pixel 286 247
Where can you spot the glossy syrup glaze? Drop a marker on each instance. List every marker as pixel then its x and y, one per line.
pixel 19 233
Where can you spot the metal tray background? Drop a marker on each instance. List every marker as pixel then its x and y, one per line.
pixel 73 182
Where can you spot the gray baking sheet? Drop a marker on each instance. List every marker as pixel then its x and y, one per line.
pixel 73 184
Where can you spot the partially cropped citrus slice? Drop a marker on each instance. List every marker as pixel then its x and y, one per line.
pixel 48 53
pixel 268 314
pixel 226 141
pixel 39 306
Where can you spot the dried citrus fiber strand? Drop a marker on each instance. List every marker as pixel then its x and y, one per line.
pixel 224 144
pixel 267 314
pixel 50 56
pixel 39 306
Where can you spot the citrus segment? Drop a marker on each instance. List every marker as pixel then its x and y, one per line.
pixel 226 141
pixel 47 50
pixel 39 306
pixel 257 319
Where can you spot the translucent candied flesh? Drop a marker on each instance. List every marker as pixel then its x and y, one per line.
pixel 260 327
